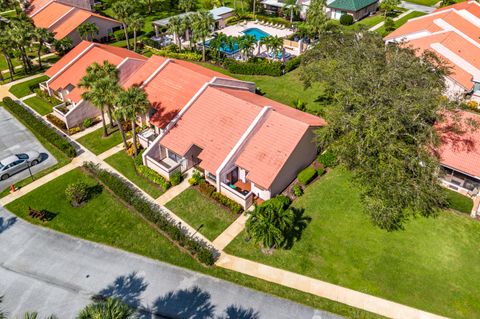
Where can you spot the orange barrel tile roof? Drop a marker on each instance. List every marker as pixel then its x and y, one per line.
pixel 460 147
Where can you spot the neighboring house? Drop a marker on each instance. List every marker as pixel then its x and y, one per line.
pixel 453 33
pixel 459 154
pixel 67 72
pixel 63 20
pixel 248 146
pixel 273 7
pixel 220 15
pixel 36 5
pixel 358 9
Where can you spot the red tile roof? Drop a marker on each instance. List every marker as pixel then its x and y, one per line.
pixel 172 87
pixel 460 147
pixel 453 33
pixel 72 67
pixel 219 117
pixel 62 19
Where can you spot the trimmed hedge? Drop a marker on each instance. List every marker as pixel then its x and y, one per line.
pixel 186 55
pixel 307 175
pixel 272 68
pixel 292 64
pixel 156 178
pixel 211 192
pixel 57 122
pixel 154 214
pixel 328 159
pixel 37 125
pixel 346 19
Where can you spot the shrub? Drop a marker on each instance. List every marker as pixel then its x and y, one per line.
pixel 120 35
pixel 297 190
pixel 176 178
pixel 87 123
pixel 306 176
pixel 153 213
pixel 234 207
pixel 139 159
pixel 196 178
pixel 328 159
pixel 255 67
pixel 156 178
pixel 320 171
pixel 292 64
pixel 73 130
pixel 389 24
pixel 37 125
pixel 192 56
pixel 346 19
pixel 280 200
pixel 57 122
pixel 206 188
pixel 76 193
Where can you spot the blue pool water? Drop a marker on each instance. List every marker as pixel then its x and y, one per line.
pixel 257 33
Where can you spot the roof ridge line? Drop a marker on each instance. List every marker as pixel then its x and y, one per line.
pixel 63 16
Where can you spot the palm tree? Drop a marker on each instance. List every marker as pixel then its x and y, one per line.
pixel 64 45
pixel 42 36
pixel 246 45
pixel 101 84
pixel 292 7
pixel 263 41
pixel 112 308
pixel 136 24
pixel 5 48
pixel 20 33
pixel 120 114
pixel 176 29
pixel 203 26
pixel 122 10
pixel 34 315
pixel 275 45
pixel 186 5
pixel 135 101
pixel 187 28
pixel 87 30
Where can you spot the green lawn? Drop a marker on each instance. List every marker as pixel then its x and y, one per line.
pixel 285 89
pixel 125 165
pixel 60 156
pixel 40 105
pixel 459 202
pixel 402 21
pixel 105 220
pixel 23 89
pixel 425 2
pixel 98 144
pixel 431 265
pixel 196 209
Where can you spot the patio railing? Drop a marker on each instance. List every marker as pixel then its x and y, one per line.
pixel 246 200
pixel 160 168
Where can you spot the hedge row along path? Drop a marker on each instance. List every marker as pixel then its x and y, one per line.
pixel 316 287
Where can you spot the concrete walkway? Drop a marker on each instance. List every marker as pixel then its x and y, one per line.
pixel 230 233
pixel 417 7
pixel 18 67
pixel 8 85
pixel 323 289
pixel 377 26
pixel 175 190
pixel 111 151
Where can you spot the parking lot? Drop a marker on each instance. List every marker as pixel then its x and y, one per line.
pixel 15 138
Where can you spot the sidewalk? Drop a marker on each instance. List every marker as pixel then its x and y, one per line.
pixel 230 233
pixel 175 190
pixel 323 289
pixel 378 26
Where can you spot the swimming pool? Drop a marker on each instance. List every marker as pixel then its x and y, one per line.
pixel 257 33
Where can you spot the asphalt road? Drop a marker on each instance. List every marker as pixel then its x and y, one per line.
pixel 50 272
pixel 15 138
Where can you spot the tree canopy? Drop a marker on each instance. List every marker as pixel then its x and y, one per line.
pixel 383 104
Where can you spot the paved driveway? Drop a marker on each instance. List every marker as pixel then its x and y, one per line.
pixel 50 272
pixel 15 138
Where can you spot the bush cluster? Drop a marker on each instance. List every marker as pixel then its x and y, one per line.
pixel 196 178
pixel 74 130
pixel 76 193
pixel 120 35
pixel 176 178
pixel 87 123
pixel 211 192
pixel 37 125
pixel 44 96
pixel 249 16
pixel 154 214
pixel 56 121
pixel 297 190
pixel 346 19
pixel 260 67
pixel 307 175
pixel 185 55
pixel 156 178
pixel 328 159
pixel 292 64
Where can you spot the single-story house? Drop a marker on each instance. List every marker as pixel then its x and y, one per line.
pixel 249 147
pixel 67 72
pixel 453 33
pixel 358 9
pixel 220 15
pixel 64 19
pixel 459 154
pixel 33 6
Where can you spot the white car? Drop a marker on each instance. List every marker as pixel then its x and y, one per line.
pixel 15 163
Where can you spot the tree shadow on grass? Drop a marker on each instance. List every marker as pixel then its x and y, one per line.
pixel 94 191
pixel 192 303
pixel 300 223
pixel 127 288
pixel 7 223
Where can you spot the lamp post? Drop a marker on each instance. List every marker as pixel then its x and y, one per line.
pixel 29 170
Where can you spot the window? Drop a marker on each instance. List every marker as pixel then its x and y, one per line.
pixel 476 86
pixel 174 157
pixel 212 177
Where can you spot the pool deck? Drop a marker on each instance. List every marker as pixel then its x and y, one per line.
pixel 237 30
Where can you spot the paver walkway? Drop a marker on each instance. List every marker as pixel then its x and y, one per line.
pixel 8 85
pixel 323 289
pixel 230 233
pixel 174 191
pixel 377 26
